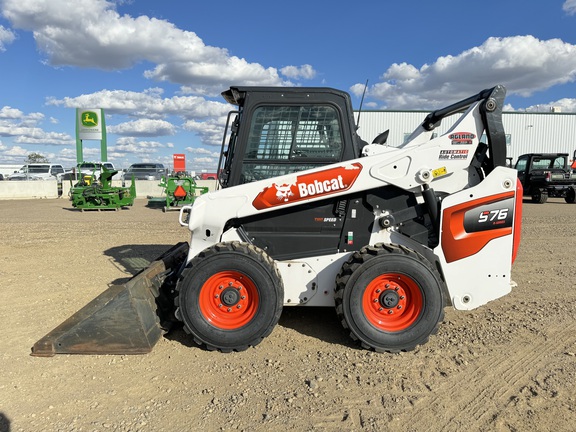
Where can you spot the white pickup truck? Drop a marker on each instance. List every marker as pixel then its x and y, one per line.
pixel 94 168
pixel 38 171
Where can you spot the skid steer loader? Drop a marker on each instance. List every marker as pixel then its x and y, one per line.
pixel 308 214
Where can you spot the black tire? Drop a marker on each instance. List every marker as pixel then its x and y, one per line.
pixel 390 298
pixel 539 197
pixel 570 195
pixel 230 297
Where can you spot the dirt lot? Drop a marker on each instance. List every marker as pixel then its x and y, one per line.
pixel 507 366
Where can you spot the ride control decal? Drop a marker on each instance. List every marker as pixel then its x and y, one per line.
pixel 453 154
pixel 461 138
pixel 308 186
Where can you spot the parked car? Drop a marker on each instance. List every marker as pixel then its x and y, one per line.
pixel 69 175
pixel 144 171
pixel 207 176
pixel 39 171
pixel 93 168
pixel 546 175
pixel 88 167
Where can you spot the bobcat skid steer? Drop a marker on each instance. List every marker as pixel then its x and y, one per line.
pixel 308 214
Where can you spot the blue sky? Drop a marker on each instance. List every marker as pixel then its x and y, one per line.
pixel 157 68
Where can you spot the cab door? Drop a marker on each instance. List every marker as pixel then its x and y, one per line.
pixel 522 168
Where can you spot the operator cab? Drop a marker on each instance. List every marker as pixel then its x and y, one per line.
pixel 279 130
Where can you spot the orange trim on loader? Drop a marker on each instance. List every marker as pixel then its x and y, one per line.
pixel 457 243
pixel 517 218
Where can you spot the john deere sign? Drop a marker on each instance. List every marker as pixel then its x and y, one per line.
pixel 89 119
pixel 90 125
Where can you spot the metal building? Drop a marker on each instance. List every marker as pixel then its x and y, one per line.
pixel 552 132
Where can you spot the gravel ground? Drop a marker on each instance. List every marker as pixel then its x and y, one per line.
pixel 507 366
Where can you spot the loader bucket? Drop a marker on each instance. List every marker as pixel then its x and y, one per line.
pixel 124 319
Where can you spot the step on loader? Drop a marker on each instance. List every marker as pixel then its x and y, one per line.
pixel 308 214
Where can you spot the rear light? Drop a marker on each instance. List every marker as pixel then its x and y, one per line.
pixel 548 176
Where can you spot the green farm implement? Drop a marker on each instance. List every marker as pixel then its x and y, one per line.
pixel 91 193
pixel 178 191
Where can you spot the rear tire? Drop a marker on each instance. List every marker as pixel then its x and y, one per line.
pixel 389 297
pixel 570 195
pixel 230 297
pixel 539 197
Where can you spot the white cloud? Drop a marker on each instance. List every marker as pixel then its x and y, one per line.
pixel 7 112
pixel 297 72
pixel 6 37
pixel 565 105
pixel 202 151
pixel 203 117
pixel 16 151
pixel 204 161
pixel 9 115
pixel 39 136
pixel 133 140
pixel 143 128
pixel 523 64
pixel 25 132
pixel 98 36
pixel 209 131
pixel 210 76
pixel 569 7
pixel 149 103
pixel 68 155
pixel 132 145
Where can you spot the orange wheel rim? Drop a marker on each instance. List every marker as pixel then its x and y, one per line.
pixel 392 302
pixel 229 300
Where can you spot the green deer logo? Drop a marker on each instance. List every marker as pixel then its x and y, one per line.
pixel 90 119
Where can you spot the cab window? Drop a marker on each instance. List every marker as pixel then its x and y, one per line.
pixel 521 164
pixel 291 138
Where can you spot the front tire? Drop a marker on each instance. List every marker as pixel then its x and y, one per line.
pixel 230 297
pixel 389 297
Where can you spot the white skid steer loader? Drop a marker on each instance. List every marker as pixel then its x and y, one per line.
pixel 308 214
